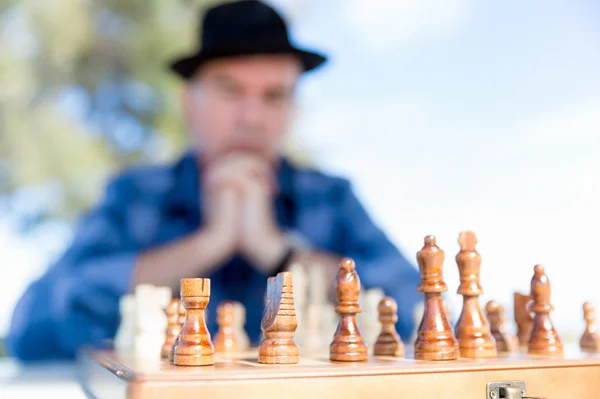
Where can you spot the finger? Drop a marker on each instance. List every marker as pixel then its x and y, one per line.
pixel 225 205
pixel 254 202
pixel 235 166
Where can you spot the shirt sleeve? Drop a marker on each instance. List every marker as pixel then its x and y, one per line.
pixel 75 303
pixel 378 262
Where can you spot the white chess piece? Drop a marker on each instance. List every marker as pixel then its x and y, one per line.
pixel 300 301
pixel 368 318
pixel 125 336
pixel 321 319
pixel 238 326
pixel 151 320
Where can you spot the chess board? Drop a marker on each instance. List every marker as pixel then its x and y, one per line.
pixel 108 374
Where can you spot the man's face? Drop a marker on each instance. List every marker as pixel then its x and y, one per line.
pixel 241 104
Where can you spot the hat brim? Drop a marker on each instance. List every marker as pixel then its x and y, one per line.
pixel 186 67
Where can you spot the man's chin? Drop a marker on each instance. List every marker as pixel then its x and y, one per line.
pixel 252 151
pixel 247 149
pixel 240 151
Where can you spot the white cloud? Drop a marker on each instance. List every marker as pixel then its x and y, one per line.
pixel 291 9
pixel 576 122
pixel 380 127
pixel 381 24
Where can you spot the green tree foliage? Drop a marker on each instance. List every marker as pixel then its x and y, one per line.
pixel 85 91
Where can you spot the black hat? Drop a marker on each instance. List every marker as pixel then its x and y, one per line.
pixel 243 27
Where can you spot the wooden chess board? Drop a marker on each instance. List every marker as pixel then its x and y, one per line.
pixel 107 374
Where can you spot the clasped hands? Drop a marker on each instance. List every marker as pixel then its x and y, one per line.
pixel 239 213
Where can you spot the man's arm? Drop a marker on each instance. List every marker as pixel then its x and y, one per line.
pixel 198 254
pixel 75 302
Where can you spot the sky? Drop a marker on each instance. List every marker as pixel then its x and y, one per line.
pixel 448 115
pixel 456 114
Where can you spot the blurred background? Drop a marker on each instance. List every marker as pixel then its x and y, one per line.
pixel 446 115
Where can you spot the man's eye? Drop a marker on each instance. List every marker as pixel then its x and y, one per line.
pixel 230 91
pixel 275 98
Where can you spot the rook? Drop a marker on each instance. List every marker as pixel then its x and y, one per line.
pixel 193 347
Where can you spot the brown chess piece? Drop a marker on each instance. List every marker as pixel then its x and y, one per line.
pixel 173 327
pixel 348 344
pixel 447 310
pixel 472 329
pixel 544 339
pixel 225 339
pixel 523 318
pixel 194 347
pixel 590 340
pixel 388 342
pixel 279 323
pixel 435 337
pixel 505 342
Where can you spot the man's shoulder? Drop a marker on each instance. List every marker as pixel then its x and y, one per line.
pixel 310 179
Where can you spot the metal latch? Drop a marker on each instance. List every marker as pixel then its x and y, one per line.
pixel 507 390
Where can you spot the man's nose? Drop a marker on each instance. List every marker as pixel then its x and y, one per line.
pixel 251 112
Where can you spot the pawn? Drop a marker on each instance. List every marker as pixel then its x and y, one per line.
pixel 388 342
pixel 194 347
pixel 173 327
pixel 523 318
pixel 239 320
pixel 348 344
pixel 505 342
pixel 472 328
pixel 544 339
pixel 590 340
pixel 447 310
pixel 435 337
pixel 225 339
pixel 279 323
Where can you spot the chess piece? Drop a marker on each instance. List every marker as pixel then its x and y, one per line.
pixel 590 340
pixel 225 339
pixel 435 337
pixel 472 328
pixel 321 319
pixel 279 323
pixel 181 312
pixel 523 318
pixel 348 344
pixel 388 342
pixel 239 320
pixel 173 327
pixel 505 342
pixel 125 336
pixel 544 339
pixel 299 276
pixel 151 320
pixel 447 311
pixel 194 347
pixel 368 317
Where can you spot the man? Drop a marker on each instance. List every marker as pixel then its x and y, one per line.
pixel 233 209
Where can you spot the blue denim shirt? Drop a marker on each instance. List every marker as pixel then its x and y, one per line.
pixel 76 302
